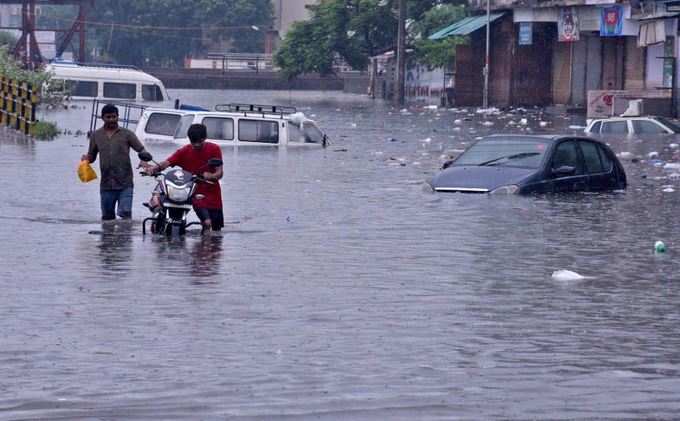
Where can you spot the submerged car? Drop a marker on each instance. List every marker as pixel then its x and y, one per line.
pixel 522 164
pixel 632 125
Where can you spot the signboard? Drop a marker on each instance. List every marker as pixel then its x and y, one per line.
pixel 611 21
pixel 567 25
pixel 525 33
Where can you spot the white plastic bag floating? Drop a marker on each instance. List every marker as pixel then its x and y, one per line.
pixel 564 275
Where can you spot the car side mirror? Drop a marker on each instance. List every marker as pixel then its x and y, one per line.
pixel 214 162
pixel 564 171
pixel 145 156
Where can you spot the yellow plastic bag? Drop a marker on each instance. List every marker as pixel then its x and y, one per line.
pixel 85 172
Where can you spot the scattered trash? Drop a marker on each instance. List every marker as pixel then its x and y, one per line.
pixel 576 127
pixel 625 155
pixel 524 122
pixel 653 155
pixel 458 122
pixel 431 107
pixel 340 150
pixel 566 275
pixel 674 146
pixel 428 140
pixel 659 247
pixel 672 166
pixel 543 123
pixel 354 125
pixel 668 189
pixel 487 123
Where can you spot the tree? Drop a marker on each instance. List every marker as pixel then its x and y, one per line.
pixel 438 53
pixel 164 32
pixel 353 30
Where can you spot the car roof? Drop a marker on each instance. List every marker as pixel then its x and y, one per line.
pixel 640 117
pixel 548 137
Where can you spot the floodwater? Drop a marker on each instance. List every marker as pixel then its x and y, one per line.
pixel 341 289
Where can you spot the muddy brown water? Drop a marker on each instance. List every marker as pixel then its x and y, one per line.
pixel 341 288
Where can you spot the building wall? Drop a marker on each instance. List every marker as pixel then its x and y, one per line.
pixel 287 12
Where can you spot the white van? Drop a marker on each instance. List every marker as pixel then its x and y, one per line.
pixel 107 82
pixel 232 125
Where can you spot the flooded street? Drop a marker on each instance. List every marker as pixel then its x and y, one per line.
pixel 341 288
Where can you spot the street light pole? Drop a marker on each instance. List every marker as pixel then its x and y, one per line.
pixel 486 62
pixel 400 92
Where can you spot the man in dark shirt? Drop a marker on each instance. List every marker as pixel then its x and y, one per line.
pixel 112 143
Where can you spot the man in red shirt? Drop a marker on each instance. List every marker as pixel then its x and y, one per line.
pixel 194 158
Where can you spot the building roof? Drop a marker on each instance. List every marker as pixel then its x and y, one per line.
pixel 465 26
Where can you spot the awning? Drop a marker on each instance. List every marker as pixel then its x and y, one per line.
pixel 465 26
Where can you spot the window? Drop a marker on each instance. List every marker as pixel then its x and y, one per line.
pixel 566 154
pixel 647 127
pixel 183 127
pixel 607 164
pixel 82 88
pixel 120 90
pixel 615 127
pixel 504 151
pixel 258 131
pixel 162 124
pixel 596 127
pixel 219 128
pixel 152 93
pixel 591 157
pixel 670 124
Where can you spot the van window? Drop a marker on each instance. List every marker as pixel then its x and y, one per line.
pixel 183 127
pixel 152 93
pixel 258 131
pixel 162 124
pixel 615 127
pixel 120 90
pixel 82 88
pixel 219 128
pixel 596 127
pixel 647 127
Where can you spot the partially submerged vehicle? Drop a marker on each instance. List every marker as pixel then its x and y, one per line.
pixel 646 125
pixel 522 164
pixel 232 125
pixel 105 82
pixel 228 125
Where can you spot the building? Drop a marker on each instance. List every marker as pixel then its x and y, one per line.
pixel 286 13
pixel 585 54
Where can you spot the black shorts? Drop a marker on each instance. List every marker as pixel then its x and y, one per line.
pixel 216 217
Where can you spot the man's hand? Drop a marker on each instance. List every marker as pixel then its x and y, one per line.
pixel 207 176
pixel 85 157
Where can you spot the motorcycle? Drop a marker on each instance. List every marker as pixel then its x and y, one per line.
pixel 172 200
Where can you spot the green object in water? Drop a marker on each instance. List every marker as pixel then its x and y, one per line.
pixel 659 247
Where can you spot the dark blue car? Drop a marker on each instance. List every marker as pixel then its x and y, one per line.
pixel 522 164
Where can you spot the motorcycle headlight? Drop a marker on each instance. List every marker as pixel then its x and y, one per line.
pixel 509 189
pixel 177 194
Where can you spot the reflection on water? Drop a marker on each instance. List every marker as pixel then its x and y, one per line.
pixel 342 289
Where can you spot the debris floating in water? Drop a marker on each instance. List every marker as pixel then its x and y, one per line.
pixel 487 123
pixel 625 155
pixel 567 275
pixel 659 247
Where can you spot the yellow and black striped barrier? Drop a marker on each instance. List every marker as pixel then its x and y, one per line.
pixel 18 104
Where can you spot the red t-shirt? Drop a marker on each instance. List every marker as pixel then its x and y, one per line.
pixel 196 162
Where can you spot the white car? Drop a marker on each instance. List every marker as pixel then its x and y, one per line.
pixel 633 125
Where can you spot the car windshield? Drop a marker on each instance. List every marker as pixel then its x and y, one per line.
pixel 312 133
pixel 522 152
pixel 670 124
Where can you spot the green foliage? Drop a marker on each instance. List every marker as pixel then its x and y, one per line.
pixel 438 53
pixel 354 30
pixel 44 130
pixel 9 67
pixel 7 39
pixel 177 28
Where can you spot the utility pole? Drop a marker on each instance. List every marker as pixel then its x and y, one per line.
pixel 400 92
pixel 486 62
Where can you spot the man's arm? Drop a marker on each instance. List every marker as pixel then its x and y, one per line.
pixel 135 143
pixel 92 151
pixel 215 175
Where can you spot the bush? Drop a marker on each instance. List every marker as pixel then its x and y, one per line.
pixel 44 130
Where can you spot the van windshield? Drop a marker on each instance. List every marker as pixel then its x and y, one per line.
pixel 312 133
pixel 183 127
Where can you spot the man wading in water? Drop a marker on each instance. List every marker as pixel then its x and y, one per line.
pixel 112 143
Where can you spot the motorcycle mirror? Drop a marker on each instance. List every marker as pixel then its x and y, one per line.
pixel 214 162
pixel 145 156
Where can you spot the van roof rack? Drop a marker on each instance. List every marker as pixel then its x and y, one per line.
pixel 128 113
pixel 96 64
pixel 278 110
